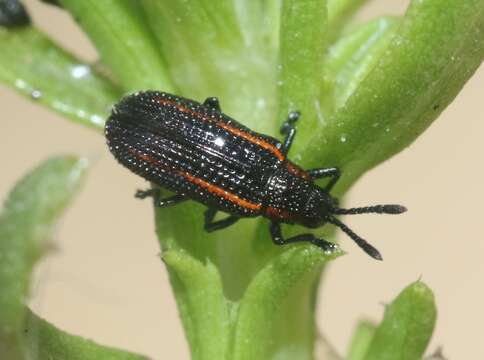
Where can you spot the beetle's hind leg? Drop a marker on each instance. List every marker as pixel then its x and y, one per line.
pixel 211 225
pixel 288 129
pixel 155 193
pixel 277 238
pixel 212 102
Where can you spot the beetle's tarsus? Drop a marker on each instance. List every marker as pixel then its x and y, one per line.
pixel 211 225
pixel 155 193
pixel 275 229
pixel 289 130
pixel 143 194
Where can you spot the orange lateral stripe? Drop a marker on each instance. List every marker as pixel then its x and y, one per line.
pixel 204 184
pixel 144 157
pixel 277 213
pixel 221 192
pixel 253 139
pixel 296 170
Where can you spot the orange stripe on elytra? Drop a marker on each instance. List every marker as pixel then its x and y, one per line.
pixel 202 183
pixel 145 157
pixel 296 170
pixel 236 131
pixel 277 213
pixel 221 192
pixel 253 139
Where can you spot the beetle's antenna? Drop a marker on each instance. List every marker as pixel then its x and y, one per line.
pixel 376 209
pixel 362 243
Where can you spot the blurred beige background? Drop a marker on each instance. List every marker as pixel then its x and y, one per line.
pixel 106 282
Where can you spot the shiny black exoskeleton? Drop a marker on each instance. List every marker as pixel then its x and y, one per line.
pixel 201 154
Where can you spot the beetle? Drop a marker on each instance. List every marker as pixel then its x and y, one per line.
pixel 201 154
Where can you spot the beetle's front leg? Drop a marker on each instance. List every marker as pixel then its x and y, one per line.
pixel 333 173
pixel 155 193
pixel 289 130
pixel 277 238
pixel 211 225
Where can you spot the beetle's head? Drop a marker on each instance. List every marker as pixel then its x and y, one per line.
pixel 319 205
pixel 323 208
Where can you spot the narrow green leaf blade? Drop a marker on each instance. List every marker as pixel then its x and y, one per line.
pixel 302 32
pixel 407 325
pixel 361 340
pixel 45 341
pixel 26 222
pixel 125 44
pixel 201 302
pixel 434 52
pixel 35 66
pixel 351 58
pixel 279 295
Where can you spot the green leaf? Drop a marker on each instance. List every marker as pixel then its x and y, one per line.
pixel 125 44
pixel 205 50
pixel 276 318
pixel 351 59
pixel 195 40
pixel 201 302
pixel 435 50
pixel 34 65
pixel 45 341
pixel 303 27
pixel 361 340
pixel 26 222
pixel 407 326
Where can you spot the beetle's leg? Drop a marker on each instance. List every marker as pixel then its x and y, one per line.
pixel 156 195
pixel 333 173
pixel 277 238
pixel 211 225
pixel 212 102
pixel 289 130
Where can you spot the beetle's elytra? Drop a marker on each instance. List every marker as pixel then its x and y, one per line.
pixel 201 154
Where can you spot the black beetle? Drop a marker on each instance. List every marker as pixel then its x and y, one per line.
pixel 201 154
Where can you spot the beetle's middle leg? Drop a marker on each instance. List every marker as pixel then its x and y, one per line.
pixel 277 238
pixel 211 225
pixel 155 193
pixel 289 130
